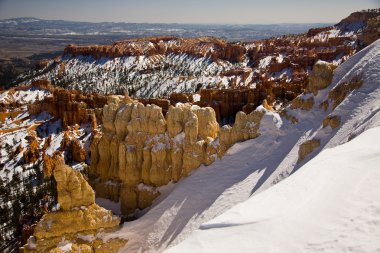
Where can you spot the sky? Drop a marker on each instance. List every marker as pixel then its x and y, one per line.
pixel 187 11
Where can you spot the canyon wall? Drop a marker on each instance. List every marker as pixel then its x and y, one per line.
pixel 141 150
pixel 200 47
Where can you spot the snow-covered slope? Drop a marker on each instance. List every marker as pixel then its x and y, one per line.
pixel 253 166
pixel 332 204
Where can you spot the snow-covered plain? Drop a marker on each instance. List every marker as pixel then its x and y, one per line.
pixel 255 166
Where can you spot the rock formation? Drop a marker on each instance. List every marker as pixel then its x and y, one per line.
pixel 321 76
pixel 141 150
pixel 78 215
pixel 307 147
pixel 73 190
pixel 72 146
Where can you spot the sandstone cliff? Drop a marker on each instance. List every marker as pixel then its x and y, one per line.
pixel 140 149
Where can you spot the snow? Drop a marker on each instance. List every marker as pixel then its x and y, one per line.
pixel 24 96
pixel 280 58
pixel 284 72
pixel 87 238
pixel 265 62
pixel 180 73
pixel 65 246
pixel 55 143
pixel 196 97
pixel 144 187
pixel 332 204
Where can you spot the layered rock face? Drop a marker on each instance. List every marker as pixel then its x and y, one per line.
pixel 78 214
pixel 141 150
pixel 199 47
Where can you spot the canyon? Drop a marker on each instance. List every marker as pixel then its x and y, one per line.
pixel 165 128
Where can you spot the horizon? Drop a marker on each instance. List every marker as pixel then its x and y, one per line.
pixel 160 23
pixel 210 12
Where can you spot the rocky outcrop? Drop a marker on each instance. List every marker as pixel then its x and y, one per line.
pixel 228 102
pixel 341 91
pixel 87 218
pixel 321 76
pixel 78 216
pixel 140 149
pixel 163 103
pixel 307 147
